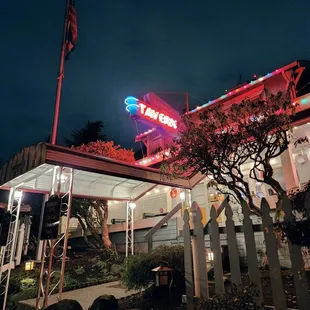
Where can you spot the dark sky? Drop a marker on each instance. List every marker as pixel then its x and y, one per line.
pixel 130 47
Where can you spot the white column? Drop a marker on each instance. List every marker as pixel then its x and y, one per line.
pixel 289 169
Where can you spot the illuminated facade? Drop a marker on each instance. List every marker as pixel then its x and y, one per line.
pixel 290 169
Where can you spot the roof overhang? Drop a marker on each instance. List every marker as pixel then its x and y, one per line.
pixel 94 176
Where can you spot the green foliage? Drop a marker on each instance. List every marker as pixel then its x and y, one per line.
pixel 138 271
pixel 27 282
pixel 237 298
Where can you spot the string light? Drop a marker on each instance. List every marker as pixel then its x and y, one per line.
pixel 230 93
pixel 145 133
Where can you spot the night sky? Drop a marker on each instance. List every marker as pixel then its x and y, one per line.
pixel 130 47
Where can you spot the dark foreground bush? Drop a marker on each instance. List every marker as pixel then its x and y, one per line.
pixel 105 302
pixel 236 298
pixel 138 271
pixel 65 304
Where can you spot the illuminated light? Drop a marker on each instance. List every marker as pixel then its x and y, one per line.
pixel 308 123
pixel 304 101
pixel 167 189
pixel 167 153
pixel 153 158
pixel 245 86
pixel 156 190
pixel 141 163
pixel 295 127
pixel 230 93
pixel 132 205
pixel 210 256
pixel 18 195
pixel 150 113
pixel 136 163
pixel 182 196
pixel 63 178
pixel 149 160
pixel 147 193
pixel 131 105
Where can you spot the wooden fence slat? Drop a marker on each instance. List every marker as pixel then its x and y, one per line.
pixel 188 264
pixel 200 239
pixel 278 294
pixel 217 254
pixel 300 280
pixel 251 250
pixel 234 260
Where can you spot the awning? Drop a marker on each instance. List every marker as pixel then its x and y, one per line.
pixel 94 176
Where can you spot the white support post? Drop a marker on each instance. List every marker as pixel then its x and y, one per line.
pixel 10 248
pixel 130 228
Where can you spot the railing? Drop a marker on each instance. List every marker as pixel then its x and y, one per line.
pixel 148 236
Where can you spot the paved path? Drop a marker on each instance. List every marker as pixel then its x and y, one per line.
pixel 86 296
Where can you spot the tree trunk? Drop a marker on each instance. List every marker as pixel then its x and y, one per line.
pixel 105 230
pixel 84 228
pixel 101 207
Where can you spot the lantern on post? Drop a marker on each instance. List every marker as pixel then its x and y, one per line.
pixel 29 265
pixel 162 275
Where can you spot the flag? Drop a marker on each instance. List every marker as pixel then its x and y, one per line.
pixel 71 36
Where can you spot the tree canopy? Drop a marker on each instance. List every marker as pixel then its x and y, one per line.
pixel 223 139
pixel 91 132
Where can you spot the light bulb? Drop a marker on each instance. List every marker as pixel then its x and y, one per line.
pixel 182 196
pixel 132 205
pixel 18 195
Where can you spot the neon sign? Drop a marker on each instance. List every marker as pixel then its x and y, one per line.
pixel 138 108
pixel 157 116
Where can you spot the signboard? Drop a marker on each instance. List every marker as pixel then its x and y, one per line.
pixel 153 114
pixel 5 221
pixel 51 218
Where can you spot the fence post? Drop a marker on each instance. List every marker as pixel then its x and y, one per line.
pixel 251 250
pixel 200 239
pixel 188 264
pixel 300 280
pixel 234 260
pixel 278 294
pixel 217 254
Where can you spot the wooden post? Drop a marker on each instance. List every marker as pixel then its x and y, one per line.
pixel 278 294
pixel 188 263
pixel 150 243
pixel 251 250
pixel 300 280
pixel 234 260
pixel 217 253
pixel 200 238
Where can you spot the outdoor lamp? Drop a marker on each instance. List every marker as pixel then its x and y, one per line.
pixel 17 195
pixel 29 265
pixel 210 256
pixel 61 177
pixel 132 205
pixel 162 275
pixel 182 196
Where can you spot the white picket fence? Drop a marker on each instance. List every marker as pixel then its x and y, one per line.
pixel 195 256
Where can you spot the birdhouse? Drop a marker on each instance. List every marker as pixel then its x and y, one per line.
pixel 29 265
pixel 162 275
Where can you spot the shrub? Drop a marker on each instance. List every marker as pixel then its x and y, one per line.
pixel 138 272
pixel 242 297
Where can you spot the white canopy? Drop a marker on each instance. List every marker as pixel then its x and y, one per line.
pixel 94 176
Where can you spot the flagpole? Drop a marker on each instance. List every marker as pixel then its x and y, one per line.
pixel 60 76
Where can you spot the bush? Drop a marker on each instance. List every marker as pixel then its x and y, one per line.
pixel 242 297
pixel 138 272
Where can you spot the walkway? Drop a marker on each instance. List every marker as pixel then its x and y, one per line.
pixel 86 296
